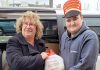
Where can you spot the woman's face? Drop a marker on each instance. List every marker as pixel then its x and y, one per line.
pixel 28 28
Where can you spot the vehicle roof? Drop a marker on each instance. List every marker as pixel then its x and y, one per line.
pixel 15 12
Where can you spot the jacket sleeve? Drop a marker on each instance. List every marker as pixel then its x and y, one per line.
pixel 17 61
pixel 89 53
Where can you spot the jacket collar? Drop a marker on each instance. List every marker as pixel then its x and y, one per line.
pixel 22 41
pixel 32 50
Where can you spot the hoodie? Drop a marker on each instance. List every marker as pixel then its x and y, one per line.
pixel 80 52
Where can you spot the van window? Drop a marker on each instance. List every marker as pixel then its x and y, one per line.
pixel 95 29
pixel 50 34
pixel 7 26
pixel 92 21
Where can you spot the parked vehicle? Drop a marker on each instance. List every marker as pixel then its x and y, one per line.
pixel 53 22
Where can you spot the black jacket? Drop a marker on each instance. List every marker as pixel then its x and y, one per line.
pixel 22 56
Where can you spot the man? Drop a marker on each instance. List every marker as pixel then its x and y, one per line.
pixel 79 44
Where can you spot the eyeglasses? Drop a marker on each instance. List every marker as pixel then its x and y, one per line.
pixel 72 19
pixel 30 24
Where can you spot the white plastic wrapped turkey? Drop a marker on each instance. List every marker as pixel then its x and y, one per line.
pixel 54 61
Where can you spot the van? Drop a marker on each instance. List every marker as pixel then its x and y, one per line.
pixel 53 22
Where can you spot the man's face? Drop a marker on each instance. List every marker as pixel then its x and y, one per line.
pixel 74 24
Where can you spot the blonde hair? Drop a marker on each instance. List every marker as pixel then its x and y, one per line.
pixel 35 19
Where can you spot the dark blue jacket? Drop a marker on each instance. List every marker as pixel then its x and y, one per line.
pixel 22 56
pixel 81 51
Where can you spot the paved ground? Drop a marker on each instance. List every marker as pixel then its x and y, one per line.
pixel 98 63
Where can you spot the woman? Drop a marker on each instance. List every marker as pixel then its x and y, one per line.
pixel 26 50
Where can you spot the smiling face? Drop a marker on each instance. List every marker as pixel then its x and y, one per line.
pixel 28 28
pixel 74 24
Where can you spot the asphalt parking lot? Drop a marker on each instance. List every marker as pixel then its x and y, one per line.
pixel 98 63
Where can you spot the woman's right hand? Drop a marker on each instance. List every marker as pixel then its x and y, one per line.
pixel 44 55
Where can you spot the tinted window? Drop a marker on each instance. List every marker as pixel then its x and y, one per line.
pixel 50 32
pixel 92 21
pixel 7 26
pixel 96 29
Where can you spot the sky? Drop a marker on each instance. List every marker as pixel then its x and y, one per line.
pixel 86 4
pixel 24 1
pixel 30 1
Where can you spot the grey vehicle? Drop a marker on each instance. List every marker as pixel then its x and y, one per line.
pixel 53 21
